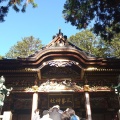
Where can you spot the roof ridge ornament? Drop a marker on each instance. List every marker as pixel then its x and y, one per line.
pixel 60 33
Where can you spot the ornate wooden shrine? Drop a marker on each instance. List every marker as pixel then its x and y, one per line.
pixel 58 73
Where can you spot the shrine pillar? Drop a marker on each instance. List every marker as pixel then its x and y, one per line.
pixel 34 103
pixel 119 114
pixel 87 105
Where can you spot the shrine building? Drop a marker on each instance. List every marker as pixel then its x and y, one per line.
pixel 61 74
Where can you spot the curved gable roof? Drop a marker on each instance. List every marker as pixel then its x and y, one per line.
pixel 60 48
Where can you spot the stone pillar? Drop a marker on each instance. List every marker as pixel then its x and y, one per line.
pixel 88 108
pixel 34 103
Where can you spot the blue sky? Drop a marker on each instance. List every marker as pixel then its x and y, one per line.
pixel 42 22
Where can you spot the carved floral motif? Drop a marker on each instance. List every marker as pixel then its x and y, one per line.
pixel 65 85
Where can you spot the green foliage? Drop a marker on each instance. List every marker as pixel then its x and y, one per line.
pixel 17 5
pixel 88 42
pixel 105 13
pixel 1 57
pixel 25 48
pixel 115 45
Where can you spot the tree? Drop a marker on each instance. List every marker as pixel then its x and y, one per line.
pixel 115 46
pixel 15 4
pixel 88 42
pixel 1 57
pixel 104 13
pixel 24 48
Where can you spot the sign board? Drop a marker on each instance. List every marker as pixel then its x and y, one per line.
pixel 63 100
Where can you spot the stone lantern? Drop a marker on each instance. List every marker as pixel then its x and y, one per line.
pixel 3 92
